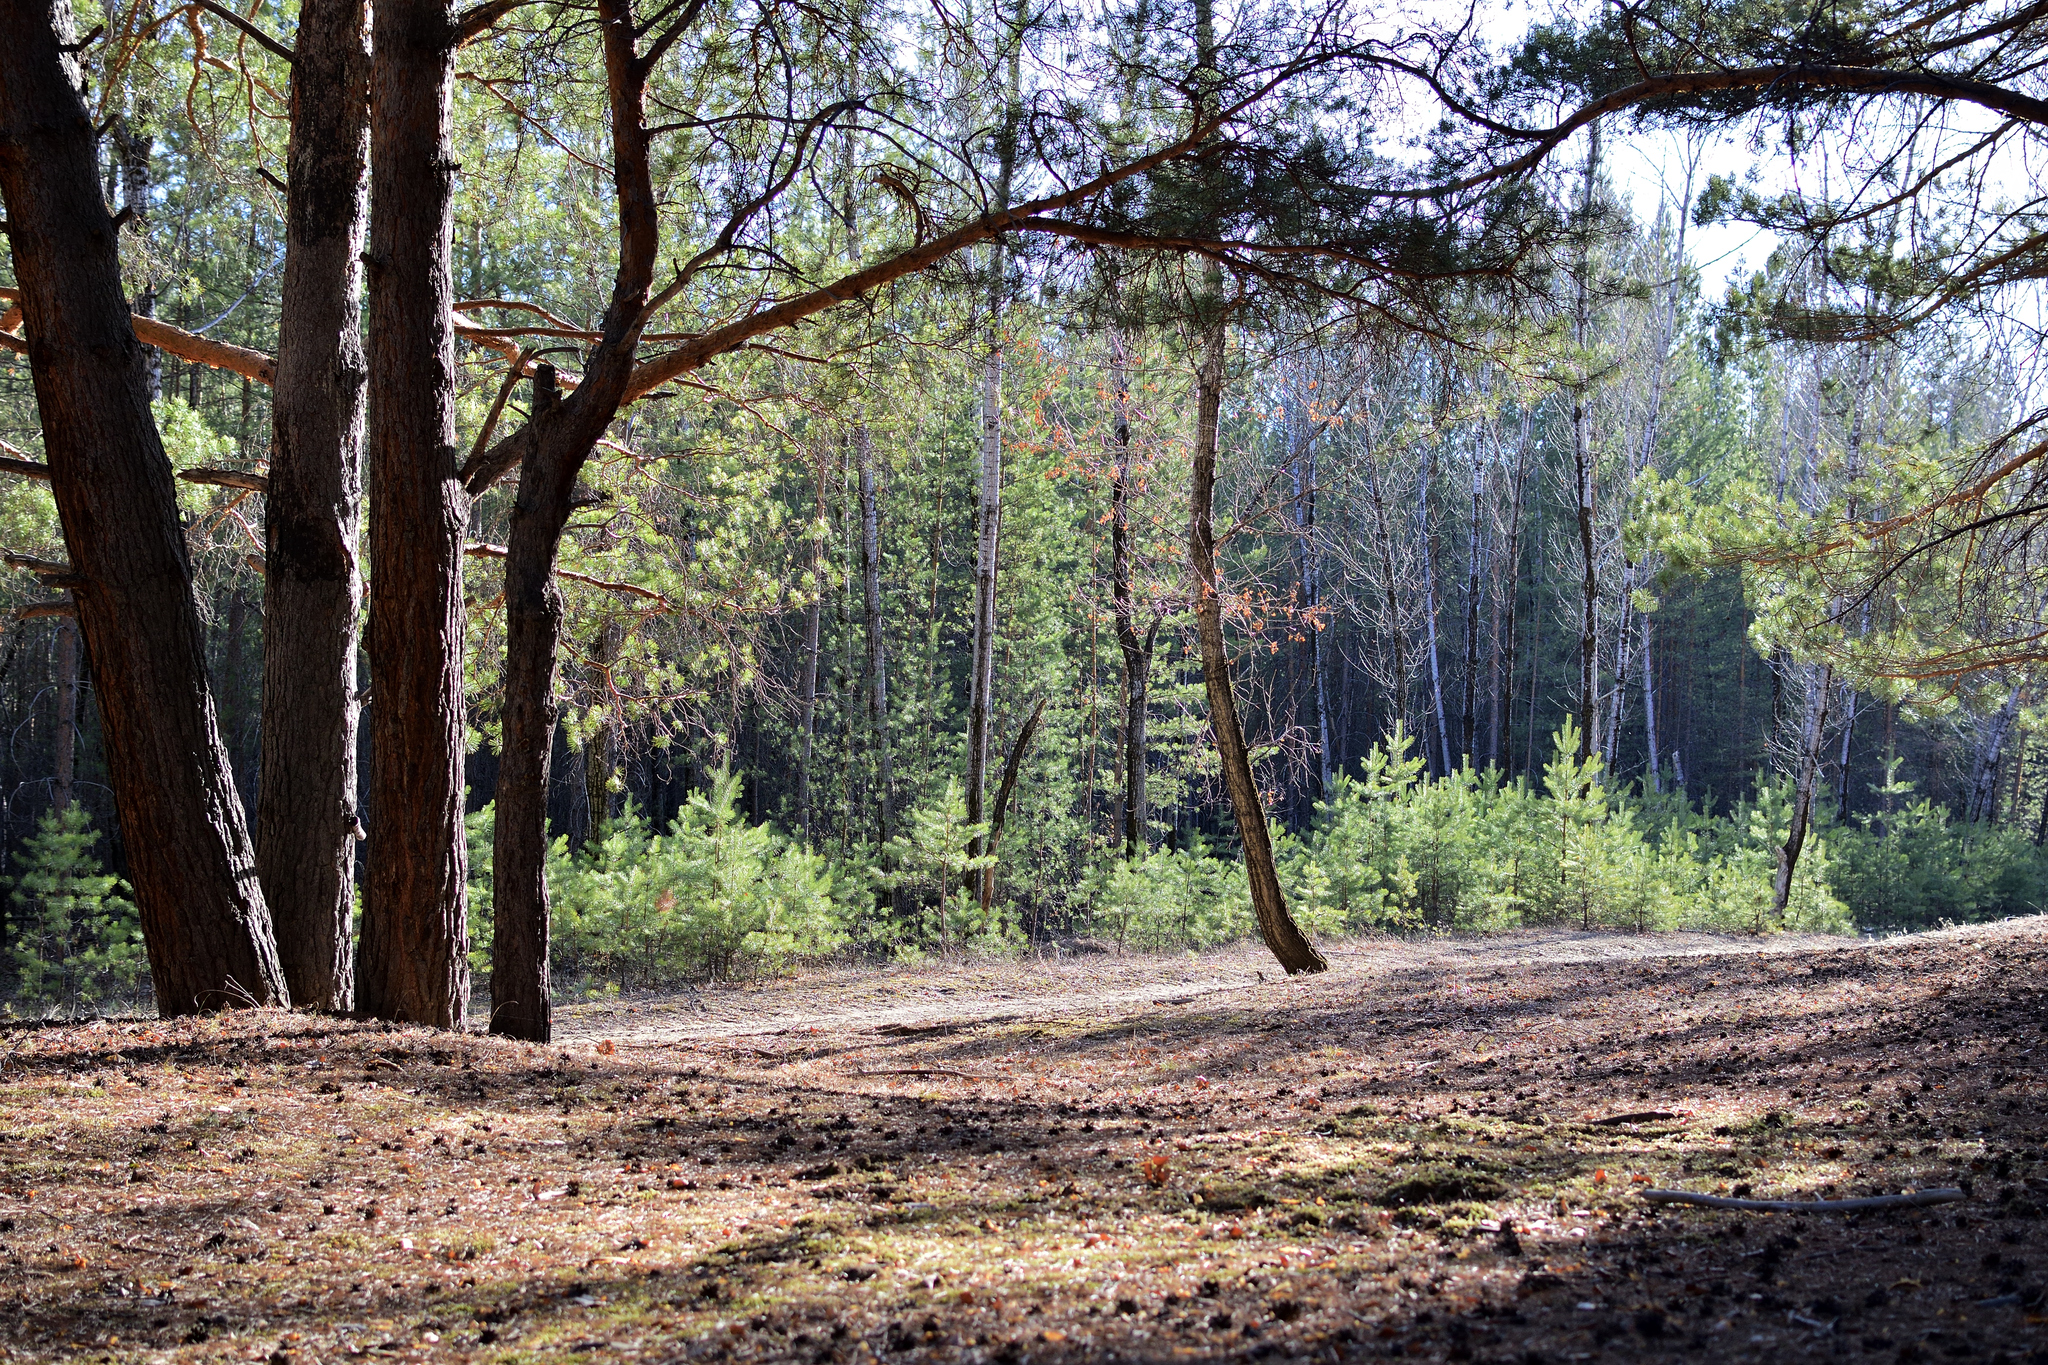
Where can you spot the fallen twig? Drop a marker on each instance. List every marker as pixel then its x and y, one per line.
pixel 1917 1199
pixel 1646 1116
pixel 925 1071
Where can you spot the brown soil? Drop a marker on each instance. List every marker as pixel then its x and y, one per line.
pixel 1139 1158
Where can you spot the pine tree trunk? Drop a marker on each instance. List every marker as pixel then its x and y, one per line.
pixel 520 990
pixel 561 436
pixel 1135 648
pixel 988 525
pixel 878 659
pixel 807 673
pixel 1276 926
pixel 412 961
pixel 601 746
pixel 306 821
pixel 1474 570
pixel 190 859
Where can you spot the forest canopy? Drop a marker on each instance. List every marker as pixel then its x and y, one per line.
pixel 570 495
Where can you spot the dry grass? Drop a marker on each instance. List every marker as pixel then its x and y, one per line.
pixel 1101 1160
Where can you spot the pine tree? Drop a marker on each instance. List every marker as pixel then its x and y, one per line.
pixel 77 939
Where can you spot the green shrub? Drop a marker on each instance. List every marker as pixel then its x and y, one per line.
pixel 715 897
pixel 1398 849
pixel 924 881
pixel 1175 898
pixel 76 940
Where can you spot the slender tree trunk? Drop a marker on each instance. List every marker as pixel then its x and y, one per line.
pixel 1474 569
pixel 1135 648
pixel 1504 681
pixel 1000 811
pixel 1813 726
pixel 562 434
pixel 1436 678
pixel 1650 708
pixel 1397 631
pixel 878 658
pixel 807 674
pixel 190 860
pixel 1583 476
pixel 1276 926
pixel 306 821
pixel 412 961
pixel 988 524
pixel 989 509
pixel 601 748
pixel 65 766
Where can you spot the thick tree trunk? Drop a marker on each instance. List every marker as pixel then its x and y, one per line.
pixel 878 657
pixel 520 1001
pixel 562 435
pixel 1276 926
pixel 1135 648
pixel 306 821
pixel 412 960
pixel 190 860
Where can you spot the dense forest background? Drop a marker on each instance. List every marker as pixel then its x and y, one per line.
pixel 1427 539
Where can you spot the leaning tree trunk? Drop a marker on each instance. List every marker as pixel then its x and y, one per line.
pixel 1276 926
pixel 562 435
pixel 190 860
pixel 306 824
pixel 412 962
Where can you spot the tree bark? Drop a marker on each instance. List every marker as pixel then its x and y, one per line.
pixel 190 861
pixel 1583 482
pixel 412 961
pixel 563 434
pixel 1276 926
pixel 520 991
pixel 306 819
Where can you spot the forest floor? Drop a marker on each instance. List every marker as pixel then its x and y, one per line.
pixel 1433 1151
